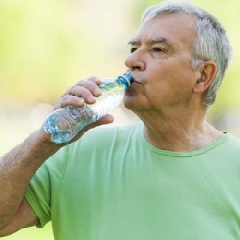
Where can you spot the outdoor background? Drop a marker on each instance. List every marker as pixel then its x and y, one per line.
pixel 48 45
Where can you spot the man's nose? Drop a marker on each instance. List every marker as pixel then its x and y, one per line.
pixel 135 61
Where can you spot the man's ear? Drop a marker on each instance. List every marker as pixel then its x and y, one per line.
pixel 207 73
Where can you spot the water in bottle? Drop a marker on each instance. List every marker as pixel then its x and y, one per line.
pixel 63 124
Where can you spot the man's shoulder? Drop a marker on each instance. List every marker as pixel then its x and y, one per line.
pixel 232 141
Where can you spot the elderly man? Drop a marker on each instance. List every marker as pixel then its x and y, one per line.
pixel 170 176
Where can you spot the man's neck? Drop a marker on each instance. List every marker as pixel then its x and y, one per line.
pixel 180 133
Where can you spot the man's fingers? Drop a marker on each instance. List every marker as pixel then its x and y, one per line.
pixel 84 91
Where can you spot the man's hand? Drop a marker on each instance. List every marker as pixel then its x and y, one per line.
pixel 82 93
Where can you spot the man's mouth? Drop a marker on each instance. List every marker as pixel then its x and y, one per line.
pixel 136 82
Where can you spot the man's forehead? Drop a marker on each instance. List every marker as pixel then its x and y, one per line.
pixel 165 28
pixel 170 22
pixel 178 16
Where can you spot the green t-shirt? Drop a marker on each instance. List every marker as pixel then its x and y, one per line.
pixel 113 185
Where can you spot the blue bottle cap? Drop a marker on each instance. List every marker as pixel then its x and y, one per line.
pixel 126 79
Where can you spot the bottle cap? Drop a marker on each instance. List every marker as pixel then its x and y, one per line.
pixel 126 79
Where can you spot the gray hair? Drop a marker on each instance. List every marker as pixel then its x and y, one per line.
pixel 211 42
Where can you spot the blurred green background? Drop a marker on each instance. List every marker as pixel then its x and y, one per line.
pixel 46 46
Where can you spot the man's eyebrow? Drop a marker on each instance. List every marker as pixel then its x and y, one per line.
pixel 161 40
pixel 152 42
pixel 134 42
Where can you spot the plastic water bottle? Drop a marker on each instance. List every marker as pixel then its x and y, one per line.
pixel 63 124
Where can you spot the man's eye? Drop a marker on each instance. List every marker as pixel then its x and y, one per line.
pixel 133 49
pixel 157 49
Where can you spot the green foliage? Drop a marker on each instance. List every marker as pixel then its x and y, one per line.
pixel 45 47
pixel 33 234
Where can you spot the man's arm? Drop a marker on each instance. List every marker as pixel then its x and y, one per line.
pixel 19 165
pixel 16 169
pixel 24 217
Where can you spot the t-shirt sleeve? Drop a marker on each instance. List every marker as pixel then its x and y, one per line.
pixel 44 186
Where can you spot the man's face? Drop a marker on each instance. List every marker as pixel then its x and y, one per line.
pixel 161 63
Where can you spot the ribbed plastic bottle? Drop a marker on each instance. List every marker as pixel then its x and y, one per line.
pixel 64 124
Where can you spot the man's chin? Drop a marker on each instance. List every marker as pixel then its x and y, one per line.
pixel 130 102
